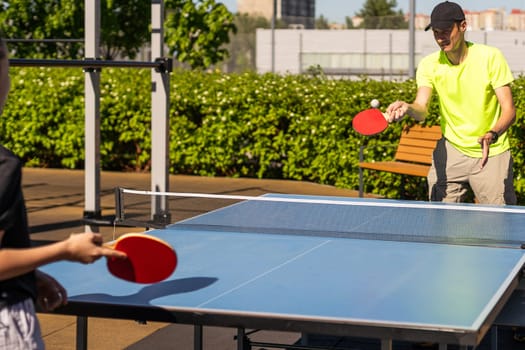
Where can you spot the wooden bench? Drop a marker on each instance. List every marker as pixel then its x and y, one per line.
pixel 413 155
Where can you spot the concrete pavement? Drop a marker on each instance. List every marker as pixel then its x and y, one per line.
pixel 55 204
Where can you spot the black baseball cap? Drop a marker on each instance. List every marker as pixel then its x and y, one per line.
pixel 445 14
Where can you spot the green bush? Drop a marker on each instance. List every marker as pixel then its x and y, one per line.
pixel 247 125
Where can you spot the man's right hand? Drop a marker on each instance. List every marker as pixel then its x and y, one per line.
pixel 396 111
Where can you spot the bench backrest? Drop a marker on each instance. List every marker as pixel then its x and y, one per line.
pixel 417 144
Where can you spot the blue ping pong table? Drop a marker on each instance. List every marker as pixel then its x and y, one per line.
pixel 383 269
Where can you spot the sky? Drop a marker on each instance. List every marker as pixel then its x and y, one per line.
pixel 337 10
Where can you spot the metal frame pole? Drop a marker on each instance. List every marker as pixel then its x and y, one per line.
pixel 92 114
pixel 160 81
pixel 274 15
pixel 412 41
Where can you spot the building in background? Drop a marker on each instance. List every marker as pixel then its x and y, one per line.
pixel 379 53
pixel 298 14
pixel 485 20
pixel 473 19
pixel 516 20
pixel 492 19
pixel 357 52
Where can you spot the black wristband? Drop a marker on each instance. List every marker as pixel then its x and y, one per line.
pixel 494 135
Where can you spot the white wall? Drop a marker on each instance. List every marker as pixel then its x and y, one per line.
pixel 375 51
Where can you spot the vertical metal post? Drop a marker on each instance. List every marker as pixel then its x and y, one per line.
pixel 160 82
pixel 412 41
pixel 301 52
pixel 197 337
pixel 361 185
pixel 82 329
pixel 274 15
pixel 365 50
pixel 391 55
pixel 386 344
pixel 92 114
pixel 494 337
pixel 241 339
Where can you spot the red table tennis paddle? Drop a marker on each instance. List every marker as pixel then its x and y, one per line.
pixel 149 260
pixel 370 122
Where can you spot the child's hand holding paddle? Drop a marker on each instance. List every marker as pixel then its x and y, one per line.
pixel 134 257
pixel 87 248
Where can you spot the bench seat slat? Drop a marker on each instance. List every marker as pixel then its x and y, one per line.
pixel 398 167
pixel 403 151
pixel 414 158
pixel 428 143
pixel 418 131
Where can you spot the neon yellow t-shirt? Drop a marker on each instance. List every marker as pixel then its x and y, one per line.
pixel 467 101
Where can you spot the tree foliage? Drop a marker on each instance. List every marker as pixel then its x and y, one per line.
pixel 322 23
pixel 349 23
pixel 196 31
pixel 257 125
pixel 242 45
pixel 43 19
pixel 124 27
pixel 381 14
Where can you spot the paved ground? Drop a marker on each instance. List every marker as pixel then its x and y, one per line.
pixel 55 203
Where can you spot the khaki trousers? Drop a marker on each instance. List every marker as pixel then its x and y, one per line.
pixel 452 173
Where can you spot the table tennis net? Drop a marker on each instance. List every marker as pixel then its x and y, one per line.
pixel 326 216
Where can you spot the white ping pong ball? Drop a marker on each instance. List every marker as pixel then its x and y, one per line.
pixel 374 103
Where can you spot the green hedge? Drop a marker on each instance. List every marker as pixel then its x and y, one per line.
pixel 249 125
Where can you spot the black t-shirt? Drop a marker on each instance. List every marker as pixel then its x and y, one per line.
pixel 13 221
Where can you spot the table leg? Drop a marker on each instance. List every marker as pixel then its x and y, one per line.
pixel 304 339
pixel 494 338
pixel 197 337
pixel 386 344
pixel 82 325
pixel 242 343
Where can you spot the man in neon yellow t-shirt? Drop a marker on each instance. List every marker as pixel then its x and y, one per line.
pixel 472 82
